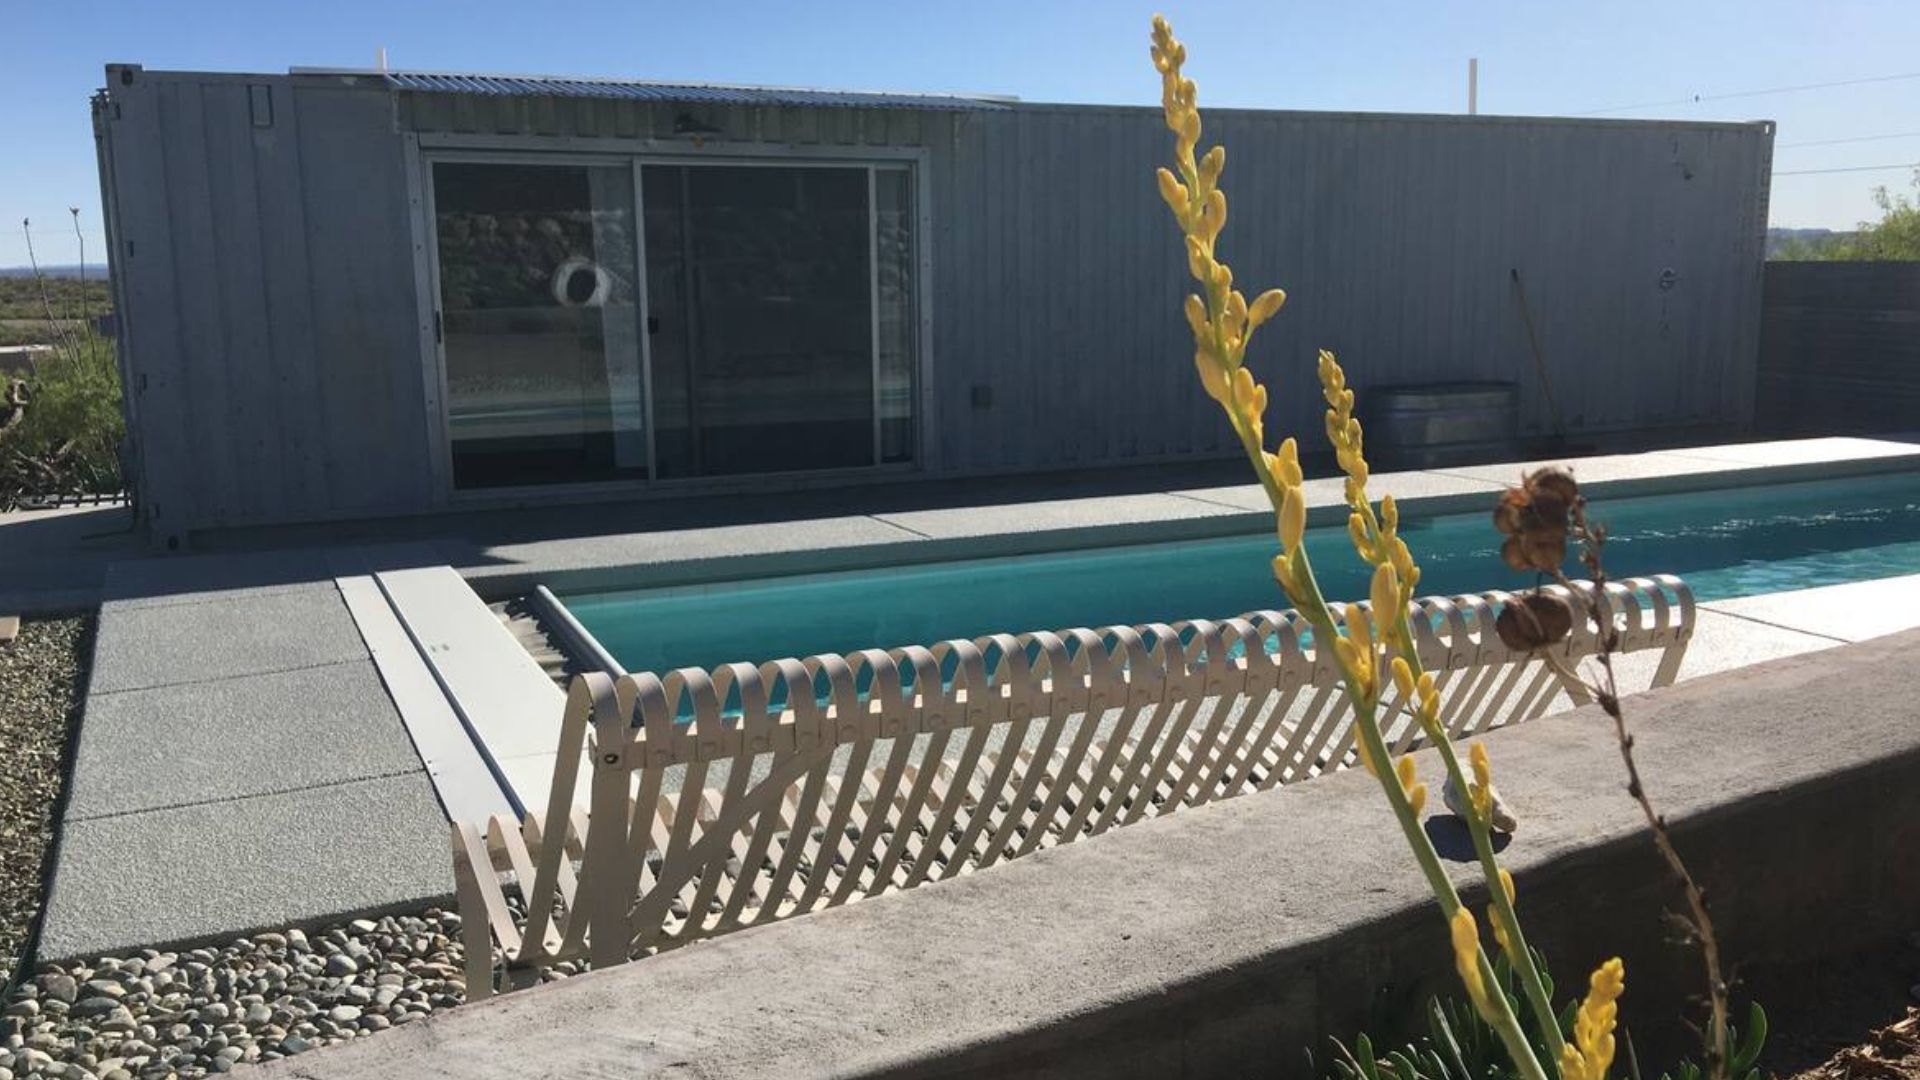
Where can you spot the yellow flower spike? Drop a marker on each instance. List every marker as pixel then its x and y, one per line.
pixel 1266 306
pixel 1293 517
pixel 1466 959
pixel 1590 1053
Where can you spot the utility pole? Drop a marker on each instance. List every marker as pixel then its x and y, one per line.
pixel 1473 86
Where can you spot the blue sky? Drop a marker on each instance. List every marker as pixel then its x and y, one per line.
pixel 1535 58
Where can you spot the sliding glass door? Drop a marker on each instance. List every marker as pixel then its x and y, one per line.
pixel 762 320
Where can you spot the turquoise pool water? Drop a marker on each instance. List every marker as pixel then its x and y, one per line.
pixel 1728 543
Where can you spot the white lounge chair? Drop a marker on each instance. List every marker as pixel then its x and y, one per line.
pixel 722 799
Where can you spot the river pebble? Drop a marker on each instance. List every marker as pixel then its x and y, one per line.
pixel 189 1014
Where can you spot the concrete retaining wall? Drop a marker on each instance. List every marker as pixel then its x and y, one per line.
pixel 1229 940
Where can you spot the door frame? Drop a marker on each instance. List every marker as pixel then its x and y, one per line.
pixel 423 151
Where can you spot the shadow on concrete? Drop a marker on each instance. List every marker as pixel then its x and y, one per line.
pixel 1452 842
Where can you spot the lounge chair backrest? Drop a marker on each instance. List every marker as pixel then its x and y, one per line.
pixel 726 798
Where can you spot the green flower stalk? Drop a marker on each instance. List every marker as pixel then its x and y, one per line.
pixel 1377 645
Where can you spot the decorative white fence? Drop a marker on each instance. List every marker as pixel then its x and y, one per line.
pixel 724 799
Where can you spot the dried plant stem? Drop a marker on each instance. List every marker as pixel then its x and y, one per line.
pixel 59 333
pixel 1698 922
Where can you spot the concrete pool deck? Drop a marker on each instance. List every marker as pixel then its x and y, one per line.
pixel 58 560
pixel 242 765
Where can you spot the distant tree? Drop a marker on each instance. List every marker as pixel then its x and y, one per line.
pixel 1895 237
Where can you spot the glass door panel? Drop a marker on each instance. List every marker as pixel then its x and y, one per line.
pixel 540 322
pixel 760 285
pixel 896 320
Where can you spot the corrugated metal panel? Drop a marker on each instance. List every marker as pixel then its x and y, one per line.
pixel 273 316
pixel 678 93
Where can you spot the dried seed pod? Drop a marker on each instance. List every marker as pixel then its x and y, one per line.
pixel 1534 621
pixel 1534 517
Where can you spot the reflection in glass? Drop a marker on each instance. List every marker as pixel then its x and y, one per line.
pixel 760 292
pixel 539 318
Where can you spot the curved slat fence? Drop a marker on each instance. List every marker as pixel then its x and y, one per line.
pixel 727 798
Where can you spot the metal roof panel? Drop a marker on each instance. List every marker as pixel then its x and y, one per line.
pixel 682 93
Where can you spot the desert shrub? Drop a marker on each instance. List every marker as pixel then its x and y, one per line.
pixel 63 424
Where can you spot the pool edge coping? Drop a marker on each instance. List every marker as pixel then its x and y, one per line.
pixel 494 583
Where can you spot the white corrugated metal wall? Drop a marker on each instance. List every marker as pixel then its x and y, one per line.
pixel 273 328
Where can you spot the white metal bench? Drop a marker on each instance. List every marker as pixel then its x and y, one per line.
pixel 727 798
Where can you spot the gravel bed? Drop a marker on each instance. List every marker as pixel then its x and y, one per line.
pixel 41 674
pixel 200 1011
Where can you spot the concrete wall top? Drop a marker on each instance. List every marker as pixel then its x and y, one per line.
pixel 1229 939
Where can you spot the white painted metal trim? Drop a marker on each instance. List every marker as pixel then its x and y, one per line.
pixel 426 284
pixel 672 148
pixel 461 779
pixel 873 301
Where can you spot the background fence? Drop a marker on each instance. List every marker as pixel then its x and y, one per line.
pixel 1839 348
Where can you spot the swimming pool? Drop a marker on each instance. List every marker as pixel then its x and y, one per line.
pixel 1726 543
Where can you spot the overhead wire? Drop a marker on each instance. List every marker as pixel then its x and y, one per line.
pixel 1698 98
pixel 1850 168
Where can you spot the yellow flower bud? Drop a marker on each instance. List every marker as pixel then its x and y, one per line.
pixel 1506 884
pixel 1243 387
pixel 1199 260
pixel 1385 595
pixel 1196 310
pixel 1389 515
pixel 1480 791
pixel 1357 534
pixel 1403 678
pixel 1174 192
pixel 1290 473
pixel 1360 629
pixel 1213 165
pixel 1213 377
pixel 1466 958
pixel 1416 791
pixel 1293 517
pixel 1266 306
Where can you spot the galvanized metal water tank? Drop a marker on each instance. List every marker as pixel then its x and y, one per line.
pixel 1427 425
